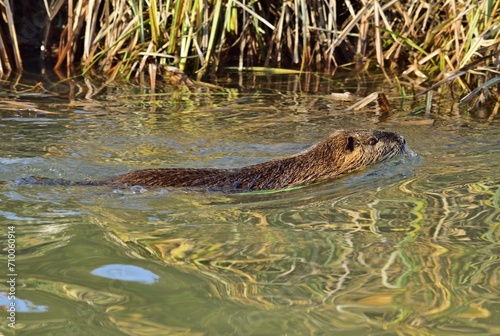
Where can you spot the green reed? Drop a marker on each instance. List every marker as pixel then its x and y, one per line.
pixel 429 41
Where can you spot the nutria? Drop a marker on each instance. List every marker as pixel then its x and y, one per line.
pixel 343 151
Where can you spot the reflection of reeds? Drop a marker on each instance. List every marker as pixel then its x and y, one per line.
pixel 129 38
pixel 401 263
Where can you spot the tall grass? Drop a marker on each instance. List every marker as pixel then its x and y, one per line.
pixel 5 52
pixel 436 39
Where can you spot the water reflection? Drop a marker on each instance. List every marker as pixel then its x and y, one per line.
pixel 405 247
pixel 374 258
pixel 21 306
pixel 126 273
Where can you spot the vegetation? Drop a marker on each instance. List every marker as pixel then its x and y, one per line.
pixel 437 39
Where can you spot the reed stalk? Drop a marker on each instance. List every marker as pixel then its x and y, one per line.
pixel 8 11
pixel 429 40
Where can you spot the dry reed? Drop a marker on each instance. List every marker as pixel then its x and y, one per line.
pixel 439 39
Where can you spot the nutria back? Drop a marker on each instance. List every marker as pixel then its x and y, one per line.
pixel 342 152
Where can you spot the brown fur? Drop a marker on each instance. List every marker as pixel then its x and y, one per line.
pixel 341 152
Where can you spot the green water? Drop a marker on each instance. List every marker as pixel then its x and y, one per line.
pixel 407 247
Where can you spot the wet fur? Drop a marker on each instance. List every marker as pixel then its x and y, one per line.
pixel 341 152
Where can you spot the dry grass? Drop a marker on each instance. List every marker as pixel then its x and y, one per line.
pixel 444 40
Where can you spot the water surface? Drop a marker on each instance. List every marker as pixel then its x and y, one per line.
pixel 405 247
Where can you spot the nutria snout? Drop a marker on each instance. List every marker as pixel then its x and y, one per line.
pixel 341 152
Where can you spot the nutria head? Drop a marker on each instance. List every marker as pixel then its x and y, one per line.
pixel 346 151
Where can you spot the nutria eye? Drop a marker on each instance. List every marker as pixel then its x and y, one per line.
pixel 373 141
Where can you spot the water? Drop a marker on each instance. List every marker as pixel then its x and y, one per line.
pixel 405 247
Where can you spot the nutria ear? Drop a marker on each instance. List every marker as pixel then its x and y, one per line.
pixel 350 144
